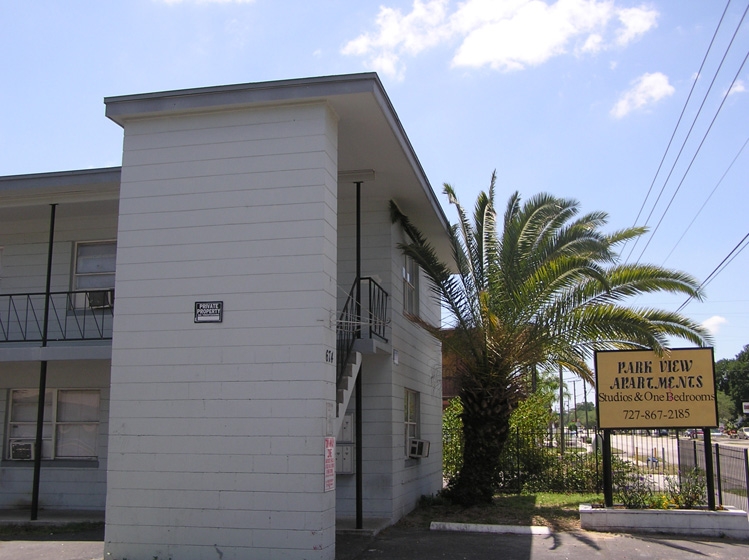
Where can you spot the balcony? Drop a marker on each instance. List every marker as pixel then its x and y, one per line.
pixel 73 316
pixel 367 322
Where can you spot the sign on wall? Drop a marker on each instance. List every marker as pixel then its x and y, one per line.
pixel 209 311
pixel 329 464
pixel 639 389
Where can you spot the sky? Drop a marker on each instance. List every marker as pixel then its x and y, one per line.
pixel 636 108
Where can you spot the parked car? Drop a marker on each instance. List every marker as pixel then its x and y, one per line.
pixel 716 434
pixel 743 433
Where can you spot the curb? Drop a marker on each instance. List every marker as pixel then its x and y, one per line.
pixel 480 528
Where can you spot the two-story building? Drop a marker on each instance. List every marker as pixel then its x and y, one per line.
pixel 200 318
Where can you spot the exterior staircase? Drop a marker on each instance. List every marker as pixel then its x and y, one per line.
pixel 360 329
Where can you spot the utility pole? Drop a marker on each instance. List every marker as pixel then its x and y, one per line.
pixel 561 410
pixel 585 401
pixel 574 393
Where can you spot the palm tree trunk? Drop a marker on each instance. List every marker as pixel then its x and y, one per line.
pixel 486 420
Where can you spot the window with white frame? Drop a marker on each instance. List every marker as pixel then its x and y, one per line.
pixel 70 428
pixel 410 286
pixel 93 271
pixel 411 417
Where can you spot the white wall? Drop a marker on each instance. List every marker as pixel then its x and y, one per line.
pixel 63 484
pixel 25 244
pixel 77 485
pixel 217 430
pixel 392 483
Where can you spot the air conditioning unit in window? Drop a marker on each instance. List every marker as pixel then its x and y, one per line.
pixel 101 299
pixel 22 450
pixel 418 448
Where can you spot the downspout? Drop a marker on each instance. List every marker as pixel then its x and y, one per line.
pixel 42 373
pixel 359 446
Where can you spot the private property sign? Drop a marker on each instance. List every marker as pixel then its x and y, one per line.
pixel 639 389
pixel 209 311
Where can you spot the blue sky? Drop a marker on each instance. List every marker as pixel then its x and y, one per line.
pixel 578 98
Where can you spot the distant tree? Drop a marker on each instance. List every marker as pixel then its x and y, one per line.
pixel 586 414
pixel 539 286
pixel 732 377
pixel 726 408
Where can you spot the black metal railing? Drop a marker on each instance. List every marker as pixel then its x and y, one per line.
pixel 730 469
pixel 81 315
pixel 351 321
pixel 377 308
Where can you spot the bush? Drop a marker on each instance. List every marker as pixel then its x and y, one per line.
pixel 452 438
pixel 634 490
pixel 690 491
pixel 529 462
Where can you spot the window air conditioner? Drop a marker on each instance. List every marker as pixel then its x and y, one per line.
pixel 418 448
pixel 101 299
pixel 22 450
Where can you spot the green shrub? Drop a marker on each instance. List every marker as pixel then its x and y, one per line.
pixel 689 491
pixel 529 461
pixel 634 490
pixel 452 438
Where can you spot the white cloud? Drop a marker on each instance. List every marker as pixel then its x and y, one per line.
pixel 502 34
pixel 635 22
pixel 399 34
pixel 645 90
pixel 737 87
pixel 713 324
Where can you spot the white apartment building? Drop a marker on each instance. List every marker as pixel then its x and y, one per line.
pixel 192 319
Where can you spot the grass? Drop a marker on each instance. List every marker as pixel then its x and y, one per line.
pixel 559 512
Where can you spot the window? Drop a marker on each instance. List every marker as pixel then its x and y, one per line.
pixel 71 424
pixel 93 271
pixel 410 286
pixel 411 417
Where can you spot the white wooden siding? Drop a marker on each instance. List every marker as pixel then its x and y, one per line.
pixel 233 414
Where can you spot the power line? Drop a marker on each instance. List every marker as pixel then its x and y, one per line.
pixel 725 262
pixel 696 153
pixel 678 122
pixel 706 200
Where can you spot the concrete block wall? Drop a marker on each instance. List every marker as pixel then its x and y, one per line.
pixel 217 430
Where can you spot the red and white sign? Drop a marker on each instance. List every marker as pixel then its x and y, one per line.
pixel 329 464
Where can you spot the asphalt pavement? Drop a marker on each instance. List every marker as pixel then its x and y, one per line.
pixel 408 543
pixel 398 543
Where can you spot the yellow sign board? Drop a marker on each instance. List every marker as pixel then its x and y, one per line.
pixel 639 389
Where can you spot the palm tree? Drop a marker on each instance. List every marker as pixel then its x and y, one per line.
pixel 541 289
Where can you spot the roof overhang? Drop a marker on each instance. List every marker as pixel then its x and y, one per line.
pixel 27 196
pixel 370 134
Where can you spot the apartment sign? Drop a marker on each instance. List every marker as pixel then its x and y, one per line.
pixel 639 389
pixel 209 311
